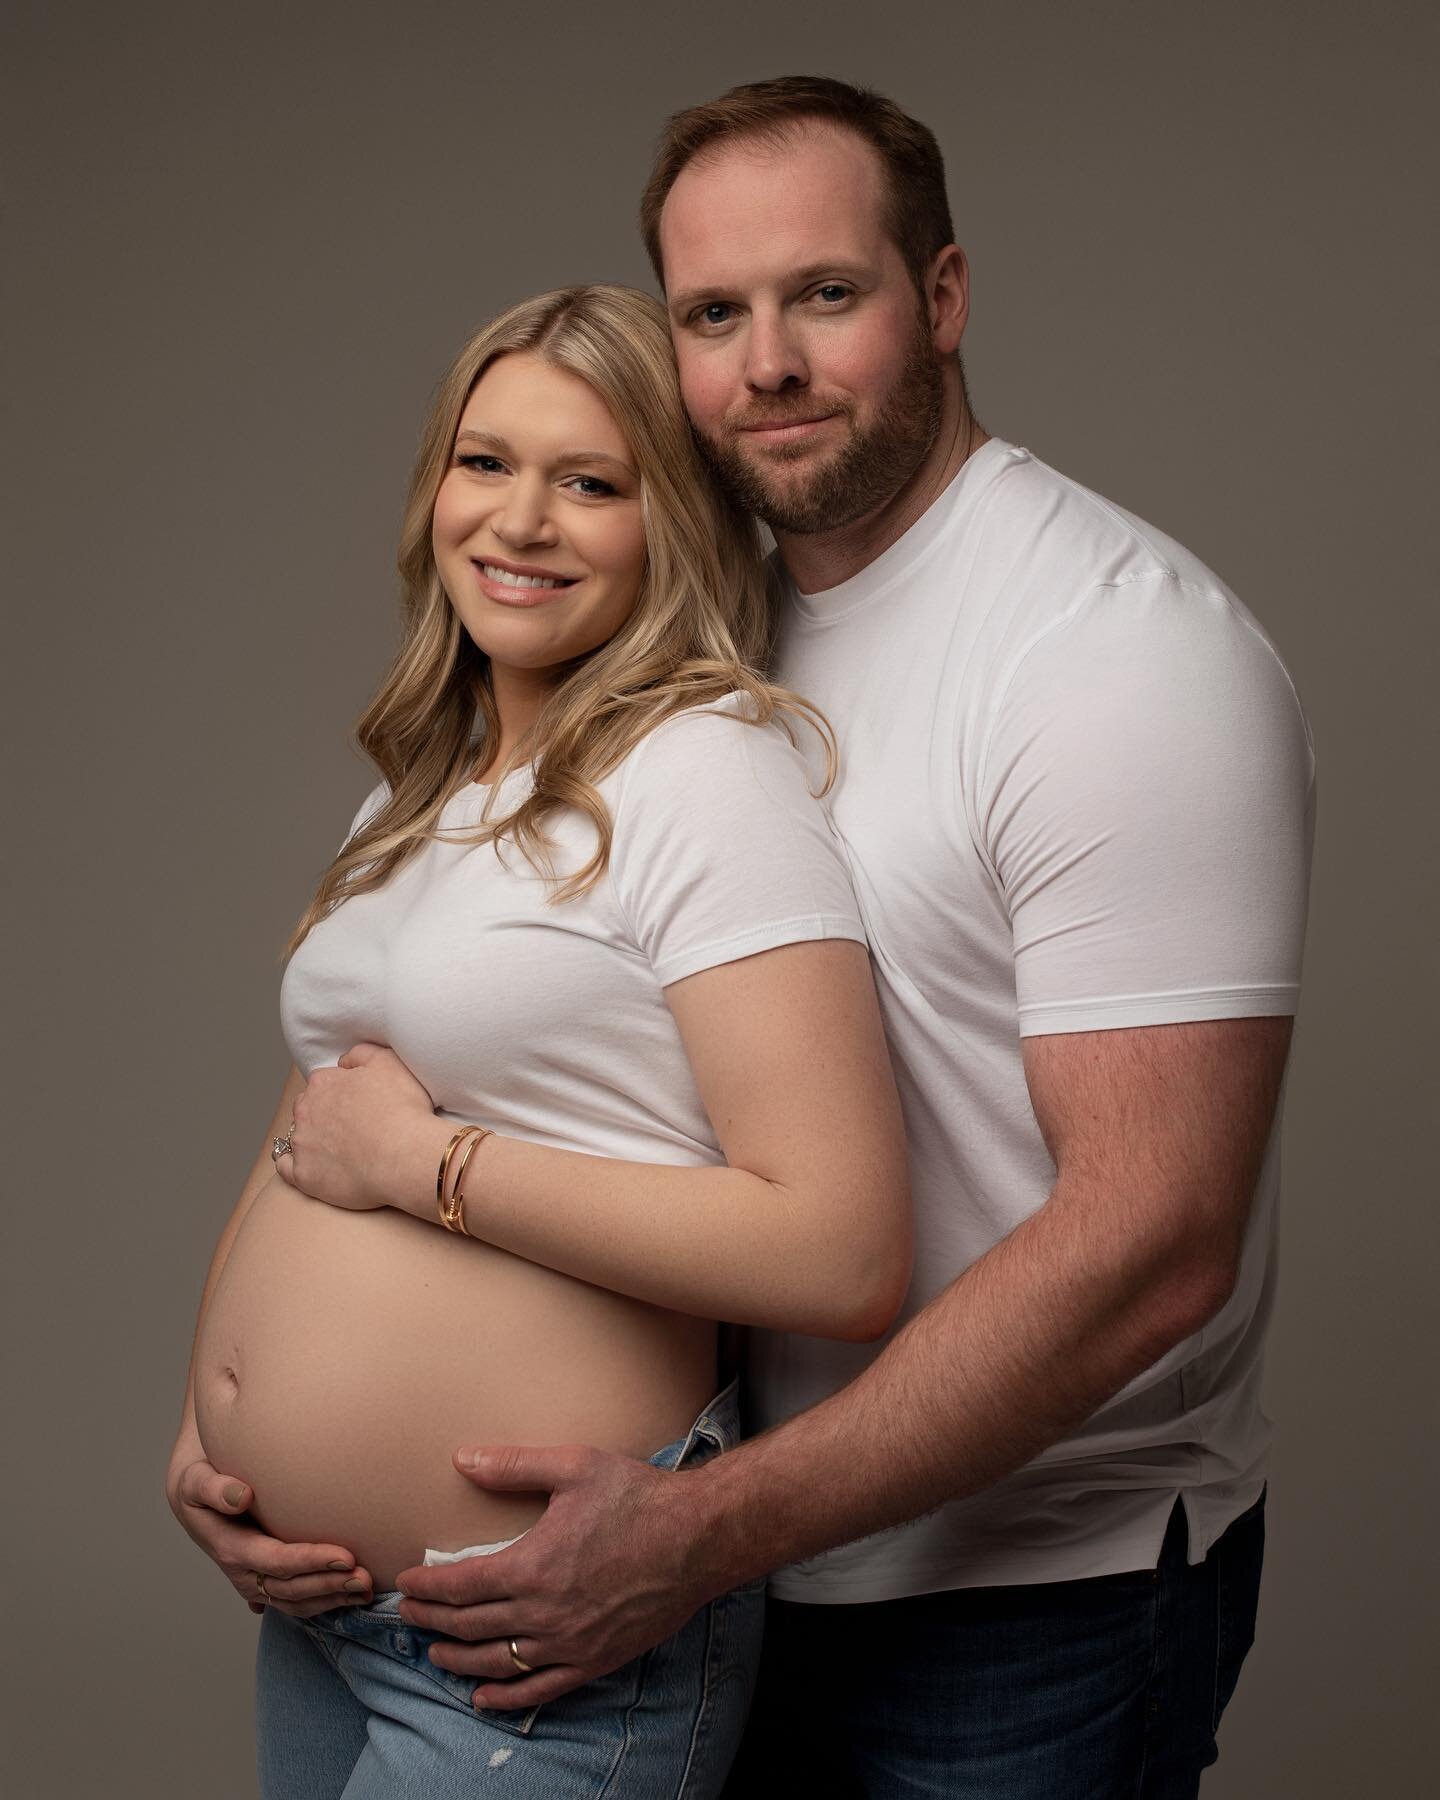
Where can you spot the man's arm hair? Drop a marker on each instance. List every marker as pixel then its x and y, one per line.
pixel 1158 1134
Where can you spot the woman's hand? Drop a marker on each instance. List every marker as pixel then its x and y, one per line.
pixel 298 1579
pixel 353 1141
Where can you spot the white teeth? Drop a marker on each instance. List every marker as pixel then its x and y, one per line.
pixel 493 572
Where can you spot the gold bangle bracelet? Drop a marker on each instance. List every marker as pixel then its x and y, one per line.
pixel 443 1176
pixel 455 1210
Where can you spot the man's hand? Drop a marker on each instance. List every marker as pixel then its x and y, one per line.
pixel 353 1129
pixel 613 1567
pixel 300 1579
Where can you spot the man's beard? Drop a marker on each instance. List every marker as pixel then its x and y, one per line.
pixel 870 468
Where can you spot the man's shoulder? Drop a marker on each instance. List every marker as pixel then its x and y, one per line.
pixel 1050 562
pixel 1065 539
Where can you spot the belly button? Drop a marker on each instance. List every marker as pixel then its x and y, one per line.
pixel 230 1378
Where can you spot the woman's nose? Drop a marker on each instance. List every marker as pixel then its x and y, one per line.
pixel 524 516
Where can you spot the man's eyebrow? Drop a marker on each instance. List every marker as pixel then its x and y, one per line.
pixel 689 298
pixel 491 440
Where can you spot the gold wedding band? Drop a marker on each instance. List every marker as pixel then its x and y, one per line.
pixel 260 1583
pixel 519 1661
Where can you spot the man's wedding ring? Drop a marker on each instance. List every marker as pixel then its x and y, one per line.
pixel 519 1661
pixel 260 1583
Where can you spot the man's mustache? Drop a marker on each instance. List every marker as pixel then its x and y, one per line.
pixel 782 413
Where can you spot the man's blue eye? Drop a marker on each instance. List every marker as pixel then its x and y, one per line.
pixel 833 291
pixel 715 306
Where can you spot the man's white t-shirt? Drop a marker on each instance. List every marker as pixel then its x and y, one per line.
pixel 1076 794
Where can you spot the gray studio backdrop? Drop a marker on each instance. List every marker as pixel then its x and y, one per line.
pixel 243 246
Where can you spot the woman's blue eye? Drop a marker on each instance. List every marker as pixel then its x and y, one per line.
pixel 592 486
pixel 487 465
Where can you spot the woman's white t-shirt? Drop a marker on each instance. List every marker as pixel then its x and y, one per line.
pixel 546 1020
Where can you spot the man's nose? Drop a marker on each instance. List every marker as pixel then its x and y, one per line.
pixel 774 358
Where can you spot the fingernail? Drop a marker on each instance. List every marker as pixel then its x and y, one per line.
pixel 468 1459
pixel 355 1586
pixel 337 1565
pixel 234 1493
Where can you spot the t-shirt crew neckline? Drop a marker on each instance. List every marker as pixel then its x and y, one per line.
pixel 869 583
pixel 481 790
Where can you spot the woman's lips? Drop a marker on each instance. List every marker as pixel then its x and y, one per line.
pixel 507 594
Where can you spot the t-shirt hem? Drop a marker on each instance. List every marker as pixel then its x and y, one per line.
pixel 808 928
pixel 1001 1570
pixel 1276 1000
pixel 1121 1554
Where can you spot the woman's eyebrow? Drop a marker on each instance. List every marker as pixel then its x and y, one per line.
pixel 493 441
pixel 593 456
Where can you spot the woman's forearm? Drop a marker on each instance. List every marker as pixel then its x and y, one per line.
pixel 830 1258
pixel 805 1224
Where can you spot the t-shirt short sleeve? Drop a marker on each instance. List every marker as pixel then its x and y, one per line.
pixel 1146 805
pixel 720 850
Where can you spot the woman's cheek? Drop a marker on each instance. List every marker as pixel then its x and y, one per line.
pixel 448 524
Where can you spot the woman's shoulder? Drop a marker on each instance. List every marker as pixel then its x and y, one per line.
pixel 722 745
pixel 720 846
pixel 708 720
pixel 368 809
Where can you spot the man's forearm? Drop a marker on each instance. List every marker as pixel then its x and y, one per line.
pixel 1027 1343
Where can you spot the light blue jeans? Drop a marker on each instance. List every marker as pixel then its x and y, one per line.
pixel 348 1704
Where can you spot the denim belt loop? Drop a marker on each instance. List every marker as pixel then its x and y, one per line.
pixel 719 1423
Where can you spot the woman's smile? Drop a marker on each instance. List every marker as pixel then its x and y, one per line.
pixel 520 584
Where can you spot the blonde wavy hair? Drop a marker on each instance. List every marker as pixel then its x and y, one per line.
pixel 701 627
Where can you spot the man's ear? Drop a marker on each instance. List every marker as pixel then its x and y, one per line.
pixel 947 298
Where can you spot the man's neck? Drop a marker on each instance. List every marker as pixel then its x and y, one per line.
pixel 821 560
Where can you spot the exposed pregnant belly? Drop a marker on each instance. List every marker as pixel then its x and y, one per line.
pixel 344 1356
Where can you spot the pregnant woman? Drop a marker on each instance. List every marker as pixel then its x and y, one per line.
pixel 587 1057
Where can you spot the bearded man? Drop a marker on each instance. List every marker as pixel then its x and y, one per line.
pixel 1015 1548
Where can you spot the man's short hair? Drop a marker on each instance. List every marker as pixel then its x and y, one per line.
pixel 917 212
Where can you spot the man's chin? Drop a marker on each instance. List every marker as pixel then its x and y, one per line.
pixel 799 494
pixel 789 487
pixel 797 450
